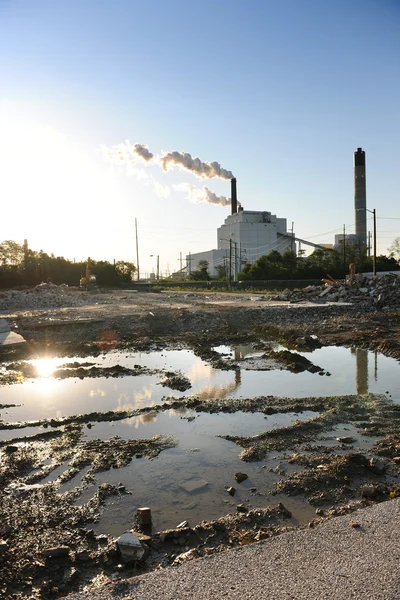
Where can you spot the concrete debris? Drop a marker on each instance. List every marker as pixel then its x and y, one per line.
pixel 56 552
pixel 3 546
pixel 130 547
pixel 185 556
pixel 46 295
pixel 380 291
pixel 240 477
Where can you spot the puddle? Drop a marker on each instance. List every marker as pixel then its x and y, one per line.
pixel 352 371
pixel 188 482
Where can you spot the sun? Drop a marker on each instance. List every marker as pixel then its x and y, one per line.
pixel 45 367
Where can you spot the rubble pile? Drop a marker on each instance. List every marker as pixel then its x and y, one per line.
pixel 382 291
pixel 44 295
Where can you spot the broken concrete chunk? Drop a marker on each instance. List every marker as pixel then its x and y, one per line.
pixel 377 466
pixel 240 477
pixel 368 491
pixel 194 485
pixel 56 552
pixel 130 547
pixel 3 546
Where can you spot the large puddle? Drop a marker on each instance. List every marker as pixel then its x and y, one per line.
pixel 188 482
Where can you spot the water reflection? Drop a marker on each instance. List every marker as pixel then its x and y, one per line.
pixel 361 370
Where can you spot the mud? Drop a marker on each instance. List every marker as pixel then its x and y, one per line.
pixel 49 547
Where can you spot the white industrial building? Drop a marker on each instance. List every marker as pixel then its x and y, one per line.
pixel 243 238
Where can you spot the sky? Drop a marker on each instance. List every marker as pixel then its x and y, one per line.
pixel 279 94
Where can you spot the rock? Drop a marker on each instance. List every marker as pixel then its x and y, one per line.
pixel 346 439
pixel 377 466
pixel 240 477
pixel 183 525
pixel 241 508
pixel 70 575
pixel 144 515
pixel 3 546
pixel 355 524
pixel 185 556
pixel 56 552
pixel 130 547
pixel 368 491
pixel 193 485
pixel 284 511
pixel 11 449
pixel 82 555
pixel 231 490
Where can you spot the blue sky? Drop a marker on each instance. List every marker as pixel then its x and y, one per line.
pixel 281 93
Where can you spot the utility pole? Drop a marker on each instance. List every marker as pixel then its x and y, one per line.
pixel 137 252
pixel 344 248
pixel 230 263
pixel 374 257
pixel 235 271
pixel 369 243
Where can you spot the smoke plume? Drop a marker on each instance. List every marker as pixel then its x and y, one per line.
pixel 184 160
pixel 204 195
pixel 143 151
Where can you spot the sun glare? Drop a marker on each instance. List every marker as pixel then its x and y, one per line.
pixel 45 367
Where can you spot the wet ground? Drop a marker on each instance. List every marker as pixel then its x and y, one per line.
pixel 118 412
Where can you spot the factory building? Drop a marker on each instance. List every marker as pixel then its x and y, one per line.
pixel 244 236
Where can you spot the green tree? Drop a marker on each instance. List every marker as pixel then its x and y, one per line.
pixel 201 274
pixel 126 270
pixel 222 272
pixel 394 249
pixel 11 253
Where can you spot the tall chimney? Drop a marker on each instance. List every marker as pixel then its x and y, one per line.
pixel 233 196
pixel 360 197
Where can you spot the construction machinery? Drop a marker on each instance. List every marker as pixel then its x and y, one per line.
pixel 88 280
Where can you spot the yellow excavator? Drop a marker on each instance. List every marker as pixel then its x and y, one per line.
pixel 89 280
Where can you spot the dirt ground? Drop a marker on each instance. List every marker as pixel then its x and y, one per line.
pixel 47 546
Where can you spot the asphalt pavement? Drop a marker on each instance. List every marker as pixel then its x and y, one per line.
pixel 334 561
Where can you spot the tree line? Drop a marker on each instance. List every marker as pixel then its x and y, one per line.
pixel 20 266
pixel 315 266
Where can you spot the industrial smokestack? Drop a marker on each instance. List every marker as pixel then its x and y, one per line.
pixel 233 196
pixel 360 197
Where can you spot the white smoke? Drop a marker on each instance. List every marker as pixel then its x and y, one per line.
pixel 131 156
pixel 204 195
pixel 143 151
pixel 184 160
pixel 123 156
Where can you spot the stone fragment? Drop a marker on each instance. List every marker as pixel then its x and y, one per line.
pixel 130 547
pixel 193 485
pixel 56 552
pixel 183 525
pixel 284 511
pixel 144 515
pixel 368 491
pixel 241 508
pixel 185 556
pixel 240 477
pixel 231 490
pixel 3 546
pixel 377 466
pixel 346 439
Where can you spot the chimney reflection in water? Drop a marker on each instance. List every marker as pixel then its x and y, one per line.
pixel 361 370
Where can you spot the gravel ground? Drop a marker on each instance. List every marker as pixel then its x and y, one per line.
pixel 336 561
